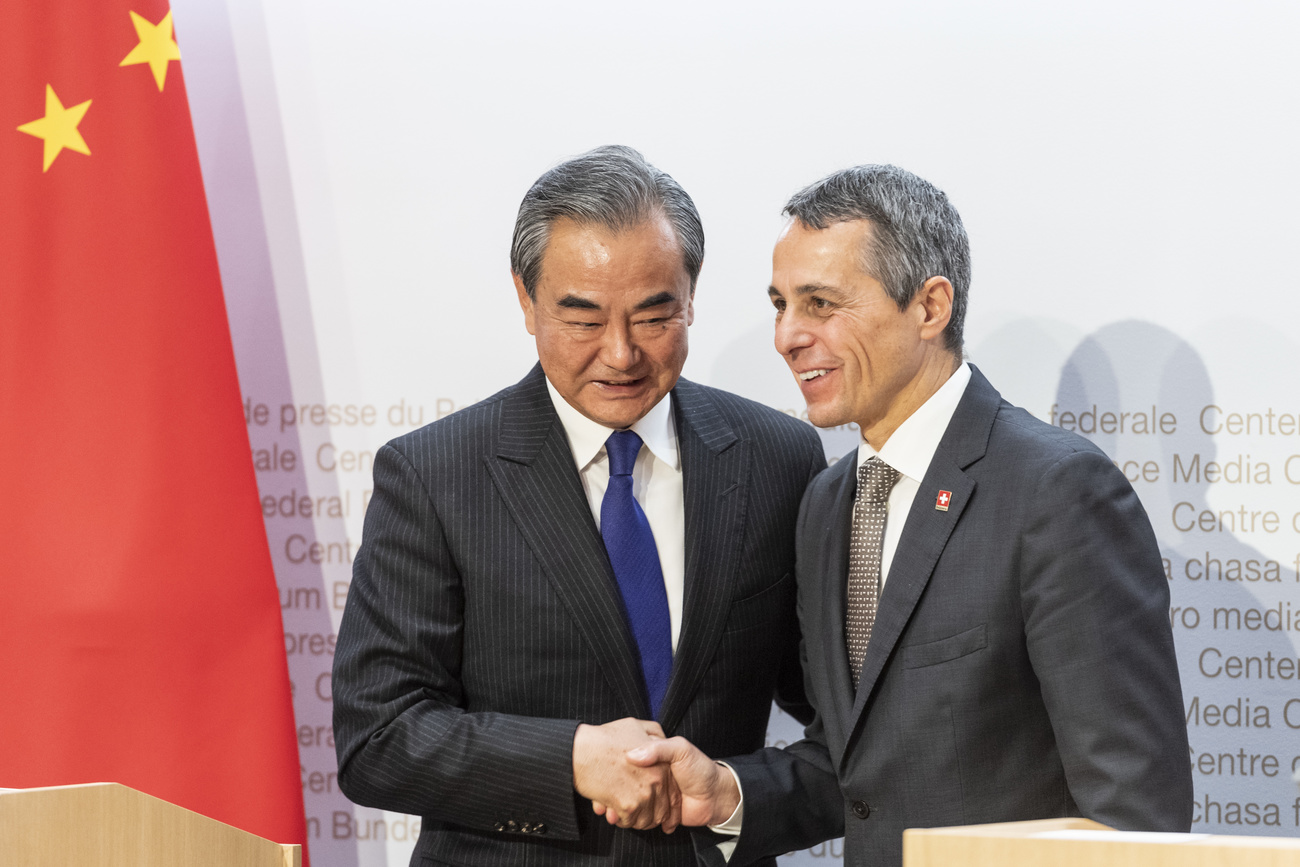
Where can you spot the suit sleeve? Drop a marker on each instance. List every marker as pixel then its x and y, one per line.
pixel 792 798
pixel 404 737
pixel 792 795
pixel 1096 611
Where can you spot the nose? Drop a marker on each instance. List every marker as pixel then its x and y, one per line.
pixel 618 350
pixel 791 335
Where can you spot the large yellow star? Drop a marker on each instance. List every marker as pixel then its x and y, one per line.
pixel 58 127
pixel 156 46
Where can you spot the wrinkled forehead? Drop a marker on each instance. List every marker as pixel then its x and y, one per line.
pixel 613 256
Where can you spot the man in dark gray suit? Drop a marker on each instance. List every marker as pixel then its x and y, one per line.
pixel 984 611
pixel 602 543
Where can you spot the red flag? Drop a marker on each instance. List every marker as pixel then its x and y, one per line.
pixel 140 633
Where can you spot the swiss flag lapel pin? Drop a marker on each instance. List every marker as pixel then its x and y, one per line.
pixel 941 502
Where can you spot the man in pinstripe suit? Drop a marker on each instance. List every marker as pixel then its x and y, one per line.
pixel 489 673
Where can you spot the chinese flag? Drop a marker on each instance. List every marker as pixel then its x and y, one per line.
pixel 140 634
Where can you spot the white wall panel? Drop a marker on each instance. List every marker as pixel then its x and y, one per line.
pixel 1126 171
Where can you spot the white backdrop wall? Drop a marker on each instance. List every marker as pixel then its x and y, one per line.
pixel 1127 173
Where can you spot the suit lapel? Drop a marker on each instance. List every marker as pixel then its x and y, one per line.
pixel 534 473
pixel 927 530
pixel 831 544
pixel 715 480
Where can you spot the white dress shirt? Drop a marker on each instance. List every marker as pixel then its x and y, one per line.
pixel 656 484
pixel 909 450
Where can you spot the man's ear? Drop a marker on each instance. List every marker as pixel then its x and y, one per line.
pixel 690 299
pixel 933 307
pixel 526 304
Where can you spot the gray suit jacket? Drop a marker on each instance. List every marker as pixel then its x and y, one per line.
pixel 484 623
pixel 1021 665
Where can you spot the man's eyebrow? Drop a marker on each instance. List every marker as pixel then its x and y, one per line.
pixel 806 289
pixel 573 302
pixel 814 288
pixel 656 300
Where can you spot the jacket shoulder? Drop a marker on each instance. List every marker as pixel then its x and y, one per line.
pixel 474 429
pixel 1017 431
pixel 756 422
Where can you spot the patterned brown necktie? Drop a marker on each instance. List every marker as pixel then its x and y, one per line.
pixel 875 480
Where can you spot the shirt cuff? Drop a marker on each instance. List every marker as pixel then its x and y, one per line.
pixel 731 827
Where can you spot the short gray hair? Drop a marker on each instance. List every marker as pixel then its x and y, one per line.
pixel 916 232
pixel 611 186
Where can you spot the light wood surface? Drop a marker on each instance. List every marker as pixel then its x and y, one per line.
pixel 111 825
pixel 1083 843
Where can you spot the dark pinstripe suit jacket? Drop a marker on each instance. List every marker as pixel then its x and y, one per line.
pixel 484 623
pixel 1021 665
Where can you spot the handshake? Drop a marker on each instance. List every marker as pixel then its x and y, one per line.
pixel 636 778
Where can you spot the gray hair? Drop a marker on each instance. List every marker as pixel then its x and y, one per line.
pixel 916 232
pixel 611 186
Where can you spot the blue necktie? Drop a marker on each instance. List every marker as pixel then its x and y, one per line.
pixel 632 553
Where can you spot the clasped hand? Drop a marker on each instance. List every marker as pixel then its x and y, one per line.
pixel 637 778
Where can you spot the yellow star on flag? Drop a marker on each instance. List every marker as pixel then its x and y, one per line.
pixel 156 47
pixel 58 128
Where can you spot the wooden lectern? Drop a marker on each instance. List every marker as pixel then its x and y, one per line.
pixel 110 825
pixel 1084 843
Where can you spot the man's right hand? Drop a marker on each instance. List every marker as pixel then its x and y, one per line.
pixel 628 795
pixel 707 791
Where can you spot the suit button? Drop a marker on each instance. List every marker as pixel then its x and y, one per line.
pixel 539 828
pixel 499 826
pixel 861 809
pixel 512 826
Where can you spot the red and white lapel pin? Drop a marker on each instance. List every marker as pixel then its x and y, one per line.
pixel 941 502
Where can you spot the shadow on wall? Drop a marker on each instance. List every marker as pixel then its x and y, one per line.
pixel 1137 390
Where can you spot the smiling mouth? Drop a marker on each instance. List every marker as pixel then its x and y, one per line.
pixel 812 374
pixel 620 383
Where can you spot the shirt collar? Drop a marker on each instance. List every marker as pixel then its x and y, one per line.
pixel 912 446
pixel 587 437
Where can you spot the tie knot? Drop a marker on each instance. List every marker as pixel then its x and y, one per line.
pixel 876 479
pixel 622 448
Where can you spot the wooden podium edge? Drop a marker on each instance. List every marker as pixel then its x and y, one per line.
pixel 23 812
pixel 1007 844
